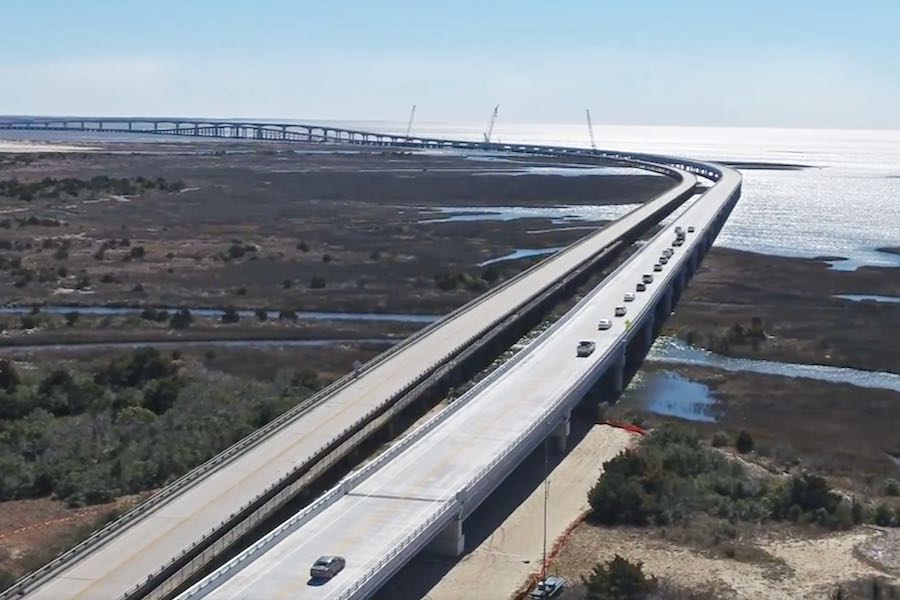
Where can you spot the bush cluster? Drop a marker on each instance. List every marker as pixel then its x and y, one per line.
pixel 672 476
pixel 132 424
pixel 50 187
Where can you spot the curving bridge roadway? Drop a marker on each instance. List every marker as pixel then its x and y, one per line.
pixel 244 484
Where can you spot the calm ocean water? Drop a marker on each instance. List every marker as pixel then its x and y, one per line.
pixel 847 203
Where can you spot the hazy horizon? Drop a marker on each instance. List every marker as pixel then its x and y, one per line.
pixel 809 65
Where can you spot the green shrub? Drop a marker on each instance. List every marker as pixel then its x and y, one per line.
pixel 230 315
pixel 891 487
pixel 618 579
pixel 182 319
pixel 719 439
pixel 884 516
pixel 744 442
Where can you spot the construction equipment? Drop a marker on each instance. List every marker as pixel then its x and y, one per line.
pixel 412 115
pixel 490 127
pixel 590 128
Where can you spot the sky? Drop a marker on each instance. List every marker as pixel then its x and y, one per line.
pixel 755 63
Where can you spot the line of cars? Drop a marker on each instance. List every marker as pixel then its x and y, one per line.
pixel 586 347
pixel 327 567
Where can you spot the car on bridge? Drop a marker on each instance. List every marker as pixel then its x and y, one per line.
pixel 586 348
pixel 620 311
pixel 604 324
pixel 691 229
pixel 629 296
pixel 327 567
pixel 657 267
pixel 647 278
pixel 663 260
pixel 641 287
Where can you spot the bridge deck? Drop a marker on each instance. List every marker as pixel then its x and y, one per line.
pixel 114 568
pixel 513 411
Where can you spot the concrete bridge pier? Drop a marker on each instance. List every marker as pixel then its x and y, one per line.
pixel 560 435
pixel 646 335
pixel 451 541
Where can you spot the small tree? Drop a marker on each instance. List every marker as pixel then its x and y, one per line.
pixel 892 487
pixel 719 439
pixel 744 442
pixel 9 377
pixel 287 315
pixel 230 315
pixel 883 516
pixel 262 314
pixel 72 317
pixel 317 282
pixel 618 579
pixel 182 319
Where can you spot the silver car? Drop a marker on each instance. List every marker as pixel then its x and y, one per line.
pixel 629 296
pixel 585 348
pixel 657 267
pixel 327 567
pixel 604 324
pixel 551 587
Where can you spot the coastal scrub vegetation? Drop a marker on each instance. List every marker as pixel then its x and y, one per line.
pixel 71 187
pixel 127 425
pixel 672 478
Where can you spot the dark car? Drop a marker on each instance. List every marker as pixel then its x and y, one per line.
pixel 548 588
pixel 327 567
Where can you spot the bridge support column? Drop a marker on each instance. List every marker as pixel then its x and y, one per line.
pixel 561 433
pixel 451 541
pixel 647 334
pixel 667 303
pixel 617 375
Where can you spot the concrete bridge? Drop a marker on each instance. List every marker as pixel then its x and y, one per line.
pixel 418 493
pixel 154 549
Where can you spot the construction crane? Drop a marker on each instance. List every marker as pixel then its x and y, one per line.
pixel 590 128
pixel 412 115
pixel 490 127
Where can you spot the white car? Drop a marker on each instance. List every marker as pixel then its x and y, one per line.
pixel 604 324
pixel 620 311
pixel 691 229
pixel 629 296
pixel 657 267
